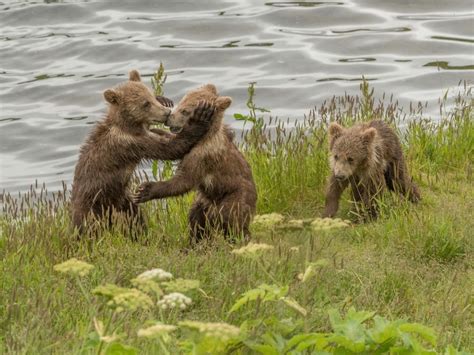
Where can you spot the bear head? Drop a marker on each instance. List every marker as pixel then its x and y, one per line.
pixel 135 103
pixel 184 111
pixel 350 149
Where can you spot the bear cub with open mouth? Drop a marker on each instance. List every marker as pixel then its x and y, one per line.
pixel 118 143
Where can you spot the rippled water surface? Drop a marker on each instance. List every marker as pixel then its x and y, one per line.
pixel 57 57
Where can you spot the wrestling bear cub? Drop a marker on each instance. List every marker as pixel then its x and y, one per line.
pixel 118 143
pixel 368 157
pixel 226 194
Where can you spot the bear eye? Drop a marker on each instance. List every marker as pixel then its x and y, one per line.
pixel 185 112
pixel 350 160
pixel 146 104
pixel 336 157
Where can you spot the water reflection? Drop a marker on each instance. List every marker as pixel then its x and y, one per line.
pixel 447 66
pixel 301 3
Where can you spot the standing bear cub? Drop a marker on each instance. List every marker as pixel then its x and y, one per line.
pixel 118 143
pixel 369 157
pixel 226 194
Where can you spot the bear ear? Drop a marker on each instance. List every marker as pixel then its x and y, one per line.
pixel 210 87
pixel 335 130
pixel 223 102
pixel 134 75
pixel 369 135
pixel 111 97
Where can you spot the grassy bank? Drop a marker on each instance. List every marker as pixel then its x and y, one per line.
pixel 413 263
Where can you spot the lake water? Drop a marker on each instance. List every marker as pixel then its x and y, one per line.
pixel 57 57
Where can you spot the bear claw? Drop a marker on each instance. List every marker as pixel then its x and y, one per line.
pixel 165 101
pixel 144 193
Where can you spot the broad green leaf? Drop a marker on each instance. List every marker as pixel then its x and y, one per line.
pixel 334 318
pixel 120 349
pixel 302 342
pixel 264 349
pixel 425 332
pixel 248 296
pixel 345 342
pixel 359 316
pixel 264 292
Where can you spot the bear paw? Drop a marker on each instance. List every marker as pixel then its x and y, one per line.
pixel 144 193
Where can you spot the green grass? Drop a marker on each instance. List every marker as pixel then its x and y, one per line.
pixel 415 262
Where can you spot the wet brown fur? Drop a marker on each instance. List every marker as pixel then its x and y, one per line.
pixel 368 157
pixel 115 147
pixel 226 193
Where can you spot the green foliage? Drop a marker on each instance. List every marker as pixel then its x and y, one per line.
pixel 263 293
pixel 157 83
pixel 158 80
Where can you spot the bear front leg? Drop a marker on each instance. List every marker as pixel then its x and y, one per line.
pixel 177 185
pixel 333 195
pixel 157 147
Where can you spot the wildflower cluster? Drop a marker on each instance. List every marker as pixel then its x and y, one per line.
pixel 295 224
pixel 74 267
pixel 148 286
pixel 131 300
pixel 155 274
pixel 268 220
pixel 108 291
pixel 174 300
pixel 321 224
pixel 252 250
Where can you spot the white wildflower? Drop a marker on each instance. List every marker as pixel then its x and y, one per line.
pixel 155 274
pixel 173 300
pixel 74 267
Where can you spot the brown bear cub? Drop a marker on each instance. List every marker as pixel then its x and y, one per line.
pixel 118 143
pixel 369 157
pixel 226 194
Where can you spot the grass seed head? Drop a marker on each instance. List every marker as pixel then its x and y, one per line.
pixel 156 331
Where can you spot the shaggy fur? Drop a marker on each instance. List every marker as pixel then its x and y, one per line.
pixel 119 142
pixel 368 157
pixel 226 194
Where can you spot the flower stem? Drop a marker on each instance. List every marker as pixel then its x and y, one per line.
pixel 109 321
